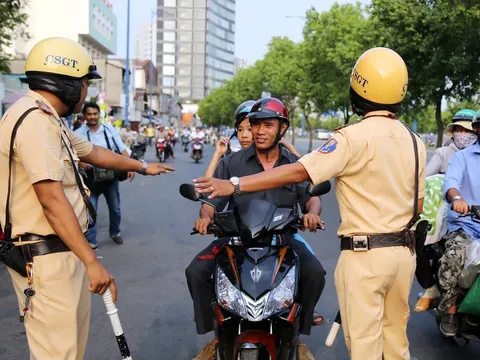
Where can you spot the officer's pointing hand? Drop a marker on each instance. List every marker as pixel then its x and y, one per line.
pixel 214 186
pixel 100 280
pixel 157 169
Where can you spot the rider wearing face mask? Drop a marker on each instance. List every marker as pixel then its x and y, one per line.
pixel 461 135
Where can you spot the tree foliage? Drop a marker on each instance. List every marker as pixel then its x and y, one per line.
pixel 440 43
pixel 13 23
pixel 335 39
pixel 438 39
pixel 281 73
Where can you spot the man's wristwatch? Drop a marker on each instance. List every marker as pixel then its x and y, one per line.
pixel 455 198
pixel 143 171
pixel 236 184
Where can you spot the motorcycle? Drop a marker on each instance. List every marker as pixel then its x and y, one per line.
pixel 138 151
pixel 161 146
pixel 256 311
pixel 197 150
pixel 185 142
pixel 468 324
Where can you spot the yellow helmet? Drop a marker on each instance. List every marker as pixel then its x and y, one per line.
pixel 380 76
pixel 61 56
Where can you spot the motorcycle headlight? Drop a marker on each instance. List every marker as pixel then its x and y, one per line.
pixel 228 296
pixel 281 297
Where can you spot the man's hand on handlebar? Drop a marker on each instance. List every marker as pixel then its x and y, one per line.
pixel 460 206
pixel 201 225
pixel 312 222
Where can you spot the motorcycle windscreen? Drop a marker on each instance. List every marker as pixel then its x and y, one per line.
pixel 254 217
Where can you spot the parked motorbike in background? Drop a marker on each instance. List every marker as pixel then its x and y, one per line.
pixel 197 150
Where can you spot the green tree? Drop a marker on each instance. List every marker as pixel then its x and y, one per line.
pixel 335 39
pixel 13 23
pixel 440 43
pixel 281 73
pixel 306 90
pixel 219 106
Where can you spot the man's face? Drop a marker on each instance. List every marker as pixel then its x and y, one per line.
pixel 265 132
pixel 83 95
pixel 92 115
pixel 198 129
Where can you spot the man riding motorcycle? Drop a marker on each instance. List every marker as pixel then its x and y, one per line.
pixel 461 136
pixel 461 188
pixel 269 119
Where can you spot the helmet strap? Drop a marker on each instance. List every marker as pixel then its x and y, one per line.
pixel 68 90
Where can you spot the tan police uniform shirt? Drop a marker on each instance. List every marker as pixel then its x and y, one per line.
pixel 373 165
pixel 39 154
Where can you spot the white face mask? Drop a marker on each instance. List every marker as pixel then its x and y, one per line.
pixel 464 139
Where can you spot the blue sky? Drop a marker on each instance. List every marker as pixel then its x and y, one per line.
pixel 257 21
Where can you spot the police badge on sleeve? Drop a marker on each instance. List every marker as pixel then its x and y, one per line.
pixel 328 147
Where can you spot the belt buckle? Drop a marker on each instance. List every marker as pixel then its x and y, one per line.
pixel 360 243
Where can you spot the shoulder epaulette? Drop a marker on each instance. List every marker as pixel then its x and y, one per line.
pixel 44 107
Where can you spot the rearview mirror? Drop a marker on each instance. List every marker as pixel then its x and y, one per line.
pixel 188 192
pixel 320 189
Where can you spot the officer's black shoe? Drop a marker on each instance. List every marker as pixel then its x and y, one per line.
pixel 448 325
pixel 117 239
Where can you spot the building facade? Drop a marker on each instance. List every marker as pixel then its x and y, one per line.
pixel 146 42
pixel 195 46
pixel 90 22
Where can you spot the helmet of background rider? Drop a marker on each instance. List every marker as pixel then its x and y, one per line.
pixel 379 81
pixel 462 118
pixel 242 111
pixel 58 65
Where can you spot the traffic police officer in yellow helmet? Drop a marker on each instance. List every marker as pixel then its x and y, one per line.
pixel 44 205
pixel 380 188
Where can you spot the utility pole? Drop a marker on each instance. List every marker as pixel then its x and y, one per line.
pixel 127 73
pixel 154 13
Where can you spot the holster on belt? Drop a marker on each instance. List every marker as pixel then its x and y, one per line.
pixel 11 256
pixel 17 256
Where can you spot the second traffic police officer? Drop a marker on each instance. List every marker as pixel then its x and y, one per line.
pixel 374 166
pixel 43 201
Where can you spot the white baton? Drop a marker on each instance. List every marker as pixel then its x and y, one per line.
pixel 334 331
pixel 112 312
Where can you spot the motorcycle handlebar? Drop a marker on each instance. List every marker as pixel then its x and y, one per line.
pixel 213 229
pixel 473 210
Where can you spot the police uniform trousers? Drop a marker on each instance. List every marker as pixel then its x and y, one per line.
pixel 59 318
pixel 373 289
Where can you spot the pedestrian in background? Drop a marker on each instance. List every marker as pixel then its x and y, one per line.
pixel 101 181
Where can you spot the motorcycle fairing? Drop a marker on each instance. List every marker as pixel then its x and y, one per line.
pixel 255 271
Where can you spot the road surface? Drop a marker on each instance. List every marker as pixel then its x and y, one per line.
pixel 154 304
